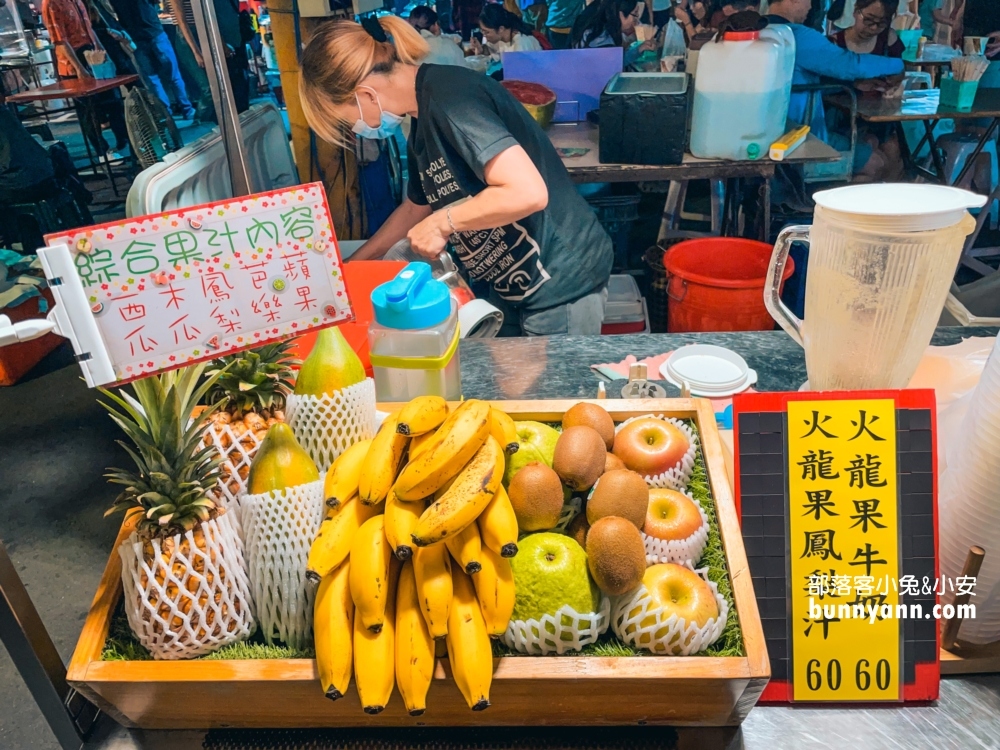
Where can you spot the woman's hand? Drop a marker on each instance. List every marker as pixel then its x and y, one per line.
pixel 429 237
pixel 475 46
pixel 650 45
pixel 682 16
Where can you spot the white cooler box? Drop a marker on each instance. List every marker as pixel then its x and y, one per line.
pixel 626 309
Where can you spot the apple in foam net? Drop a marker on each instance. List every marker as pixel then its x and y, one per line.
pixel 679 590
pixel 671 515
pixel 650 446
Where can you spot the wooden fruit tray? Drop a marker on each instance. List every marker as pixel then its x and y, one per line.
pixel 557 690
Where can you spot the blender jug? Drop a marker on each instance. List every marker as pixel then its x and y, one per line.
pixel 881 260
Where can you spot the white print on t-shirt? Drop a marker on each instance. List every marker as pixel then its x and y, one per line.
pixel 507 257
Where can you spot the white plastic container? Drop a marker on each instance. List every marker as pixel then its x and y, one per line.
pixel 741 94
pixel 413 340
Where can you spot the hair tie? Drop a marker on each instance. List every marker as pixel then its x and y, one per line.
pixel 374 29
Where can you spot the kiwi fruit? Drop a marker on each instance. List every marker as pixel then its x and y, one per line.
pixel 537 497
pixel 612 462
pixel 616 555
pixel 578 529
pixel 579 457
pixel 620 493
pixel 593 416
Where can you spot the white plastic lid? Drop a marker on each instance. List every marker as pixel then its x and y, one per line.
pixel 711 371
pixel 899 207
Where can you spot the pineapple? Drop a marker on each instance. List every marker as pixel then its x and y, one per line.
pixel 252 387
pixel 198 598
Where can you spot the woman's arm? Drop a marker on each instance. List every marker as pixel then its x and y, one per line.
pixel 400 221
pixel 515 189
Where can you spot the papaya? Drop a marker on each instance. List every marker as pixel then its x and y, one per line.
pixel 280 462
pixel 331 366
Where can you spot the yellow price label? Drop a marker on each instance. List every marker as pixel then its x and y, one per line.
pixel 844 537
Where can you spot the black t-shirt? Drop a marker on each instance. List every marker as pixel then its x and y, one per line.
pixel 139 18
pixel 982 17
pixel 549 258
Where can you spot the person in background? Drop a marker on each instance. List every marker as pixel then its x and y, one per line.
pixel 693 16
pixel 154 54
pixel 483 174
pixel 948 22
pixel 237 64
pixel 982 18
pixel 444 48
pixel 816 58
pixel 559 21
pixel 72 34
pixel 611 23
pixel 872 32
pixel 189 59
pixel 731 7
pixel 535 15
pixel 503 32
pixel 465 16
pixel 660 12
pixel 877 153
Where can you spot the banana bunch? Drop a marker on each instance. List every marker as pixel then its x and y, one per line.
pixel 415 548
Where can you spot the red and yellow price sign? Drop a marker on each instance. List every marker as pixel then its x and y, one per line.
pixel 844 532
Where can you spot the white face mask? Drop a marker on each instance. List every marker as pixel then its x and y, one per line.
pixel 388 122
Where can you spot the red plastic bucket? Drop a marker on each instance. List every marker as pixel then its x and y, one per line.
pixel 717 284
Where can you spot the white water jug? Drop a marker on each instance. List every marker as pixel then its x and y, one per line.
pixel 741 93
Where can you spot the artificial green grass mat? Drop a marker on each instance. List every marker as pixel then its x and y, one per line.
pixel 121 645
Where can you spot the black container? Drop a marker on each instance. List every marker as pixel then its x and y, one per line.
pixel 643 119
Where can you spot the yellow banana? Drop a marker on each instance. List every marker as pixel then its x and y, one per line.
pixel 454 444
pixel 467 548
pixel 375 655
pixel 502 428
pixel 400 521
pixel 421 415
pixel 333 632
pixel 345 474
pixel 382 463
pixel 498 525
pixel 469 651
pixel 370 561
pixel 432 570
pixel 495 591
pixel 414 645
pixel 465 499
pixel 333 542
pixel 419 443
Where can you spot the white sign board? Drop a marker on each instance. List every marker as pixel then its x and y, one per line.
pixel 172 289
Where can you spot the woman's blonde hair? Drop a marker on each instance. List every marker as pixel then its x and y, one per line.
pixel 339 57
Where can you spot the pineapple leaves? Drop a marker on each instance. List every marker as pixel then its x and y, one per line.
pixel 254 380
pixel 175 467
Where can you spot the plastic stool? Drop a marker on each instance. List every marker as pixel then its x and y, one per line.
pixel 957 148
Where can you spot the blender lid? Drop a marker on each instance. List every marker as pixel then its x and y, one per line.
pixel 899 207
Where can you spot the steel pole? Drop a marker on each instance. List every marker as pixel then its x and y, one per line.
pixel 213 51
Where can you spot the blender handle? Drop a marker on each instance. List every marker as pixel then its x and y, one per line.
pixel 775 271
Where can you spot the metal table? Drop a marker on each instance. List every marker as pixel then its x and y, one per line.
pixel 588 168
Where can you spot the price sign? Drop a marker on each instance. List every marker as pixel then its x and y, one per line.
pixel 837 499
pixel 163 291
pixel 843 528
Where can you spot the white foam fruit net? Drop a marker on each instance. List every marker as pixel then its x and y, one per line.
pixel 678 550
pixel 676 478
pixel 237 446
pixel 328 425
pixel 279 527
pixel 187 595
pixel 641 624
pixel 565 630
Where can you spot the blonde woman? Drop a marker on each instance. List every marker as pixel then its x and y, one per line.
pixel 482 174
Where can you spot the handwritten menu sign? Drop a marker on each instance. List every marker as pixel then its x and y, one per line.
pixel 175 288
pixel 843 533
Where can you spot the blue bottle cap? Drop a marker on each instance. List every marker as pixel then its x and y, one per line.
pixel 414 299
